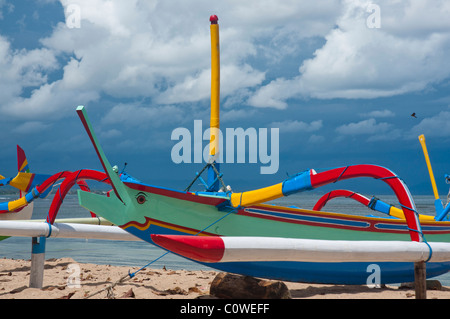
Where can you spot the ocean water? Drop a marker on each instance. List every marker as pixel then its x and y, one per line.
pixel 125 253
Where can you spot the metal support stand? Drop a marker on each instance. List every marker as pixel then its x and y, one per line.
pixel 37 262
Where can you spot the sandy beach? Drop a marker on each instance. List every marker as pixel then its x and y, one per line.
pixel 67 279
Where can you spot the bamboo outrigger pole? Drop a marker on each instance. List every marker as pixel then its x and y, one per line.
pixel 215 103
pixel 437 202
pixel 430 171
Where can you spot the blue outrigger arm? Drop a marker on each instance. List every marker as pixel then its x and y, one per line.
pixel 440 211
pixel 446 210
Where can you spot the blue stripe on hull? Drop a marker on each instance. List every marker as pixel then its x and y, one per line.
pixel 329 273
pixel 351 273
pixel 316 219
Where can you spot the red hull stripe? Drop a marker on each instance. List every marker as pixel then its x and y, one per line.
pixel 177 194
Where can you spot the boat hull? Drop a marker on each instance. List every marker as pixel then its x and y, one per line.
pixel 179 213
pixel 343 273
pixel 351 273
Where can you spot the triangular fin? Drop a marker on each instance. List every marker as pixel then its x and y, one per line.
pixel 116 183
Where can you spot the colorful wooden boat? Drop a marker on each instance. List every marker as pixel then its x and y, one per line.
pixel 13 212
pixel 146 210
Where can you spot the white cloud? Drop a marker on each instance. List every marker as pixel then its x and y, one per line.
pixel 9 7
pixel 316 139
pixel 112 133
pixel 365 127
pixel 298 126
pixel 143 116
pixel 142 49
pixel 407 53
pixel 31 127
pixel 274 94
pixel 433 126
pixel 19 70
pixel 135 49
pixel 233 78
pixel 236 114
pixel 49 101
pixel 379 113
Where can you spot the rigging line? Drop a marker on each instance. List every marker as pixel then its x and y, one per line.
pixel 420 232
pixel 131 275
pixel 167 252
pixel 196 177
pixel 342 173
pixel 219 177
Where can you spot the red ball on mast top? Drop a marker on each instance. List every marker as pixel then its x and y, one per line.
pixel 213 19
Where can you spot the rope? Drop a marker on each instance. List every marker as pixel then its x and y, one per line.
pixel 420 233
pixel 343 171
pixel 390 177
pixel 196 177
pixel 417 216
pixel 219 177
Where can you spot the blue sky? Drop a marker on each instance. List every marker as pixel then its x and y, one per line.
pixel 340 89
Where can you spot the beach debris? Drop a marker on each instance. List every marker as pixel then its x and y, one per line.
pixel 129 294
pixel 431 285
pixel 171 291
pixel 51 288
pixel 176 291
pixel 231 286
pixel 109 288
pixel 17 290
pixel 67 296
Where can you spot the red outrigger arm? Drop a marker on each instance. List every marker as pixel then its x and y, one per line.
pixel 310 179
pixel 340 193
pixel 387 176
pixel 69 180
pixel 78 177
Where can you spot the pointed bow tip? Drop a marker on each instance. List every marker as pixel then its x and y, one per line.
pixel 198 248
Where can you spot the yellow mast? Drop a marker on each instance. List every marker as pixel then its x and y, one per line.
pixel 215 87
pixel 214 124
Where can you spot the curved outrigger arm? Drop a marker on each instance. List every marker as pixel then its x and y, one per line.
pixel 78 177
pixel 69 180
pixel 373 203
pixel 341 193
pixel 24 182
pixel 310 179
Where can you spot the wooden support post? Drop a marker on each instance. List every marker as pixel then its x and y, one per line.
pixel 420 280
pixel 37 262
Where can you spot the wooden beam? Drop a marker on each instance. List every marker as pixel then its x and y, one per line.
pixel 420 280
pixel 37 262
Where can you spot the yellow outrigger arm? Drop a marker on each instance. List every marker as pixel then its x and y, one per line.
pixel 430 170
pixel 397 212
pixel 437 202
